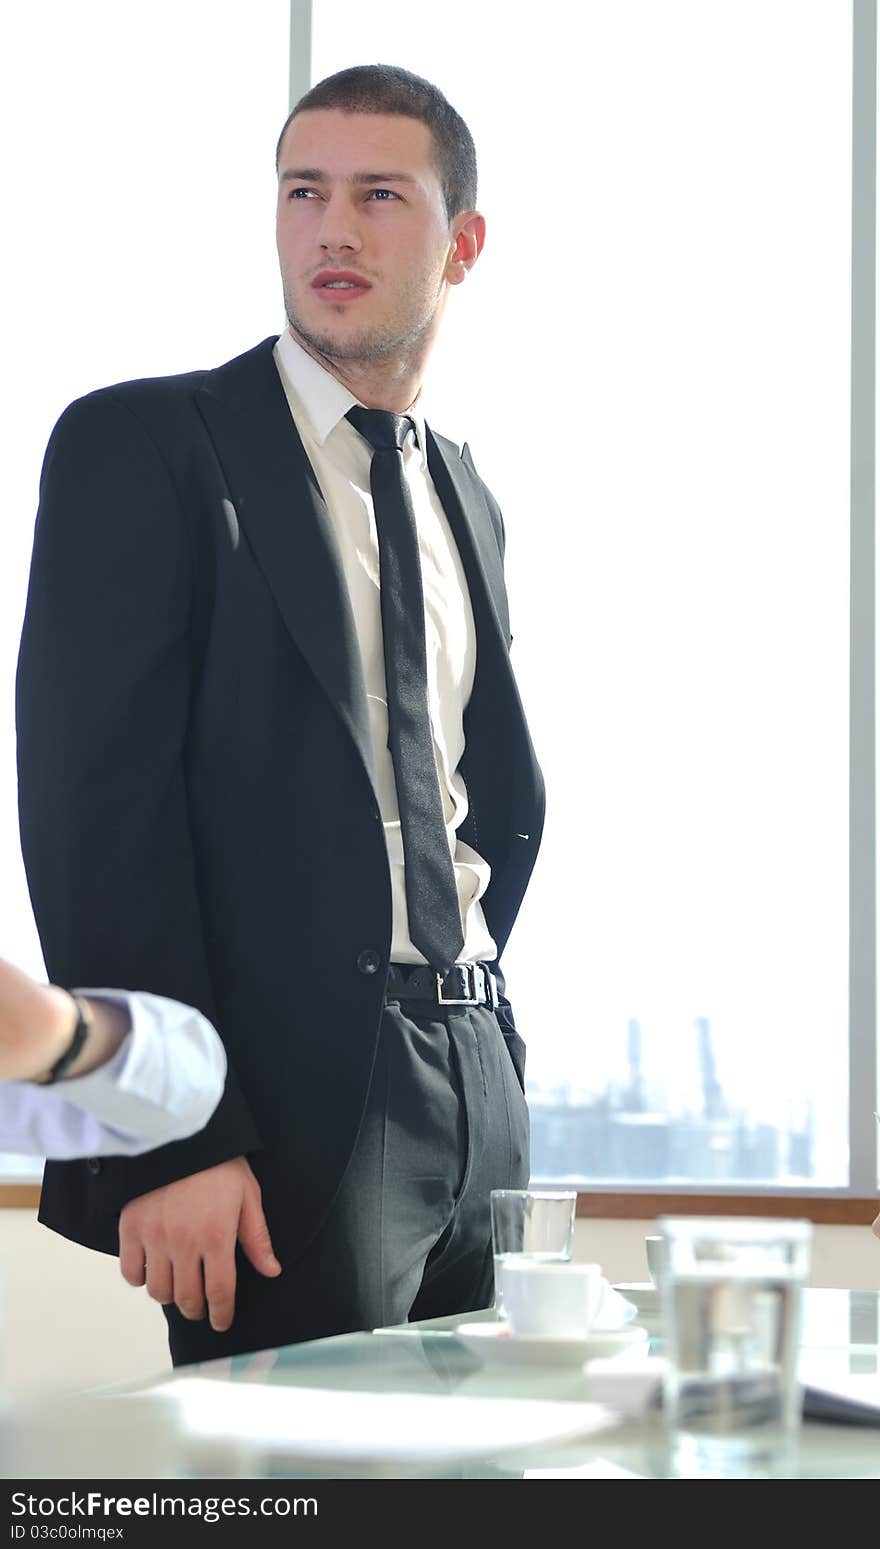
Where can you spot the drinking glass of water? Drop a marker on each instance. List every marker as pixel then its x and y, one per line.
pixel 732 1293
pixel 536 1222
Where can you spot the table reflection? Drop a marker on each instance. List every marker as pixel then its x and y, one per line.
pixel 427 1361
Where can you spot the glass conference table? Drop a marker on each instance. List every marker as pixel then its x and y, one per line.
pixel 425 1401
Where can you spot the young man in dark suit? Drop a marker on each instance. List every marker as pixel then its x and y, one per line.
pixel 290 782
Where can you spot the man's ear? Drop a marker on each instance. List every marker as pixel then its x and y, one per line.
pixel 468 236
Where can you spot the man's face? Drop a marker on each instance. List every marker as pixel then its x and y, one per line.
pixel 365 245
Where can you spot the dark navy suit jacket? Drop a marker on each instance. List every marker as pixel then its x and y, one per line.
pixel 198 816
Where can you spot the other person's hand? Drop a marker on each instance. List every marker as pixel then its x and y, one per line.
pixel 36 1024
pixel 875 1226
pixel 180 1240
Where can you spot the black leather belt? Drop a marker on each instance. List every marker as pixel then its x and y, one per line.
pixel 466 984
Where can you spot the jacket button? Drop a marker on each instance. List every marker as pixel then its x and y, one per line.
pixel 368 961
pixel 94 1165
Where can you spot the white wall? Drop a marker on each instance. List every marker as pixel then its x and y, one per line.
pixel 70 1321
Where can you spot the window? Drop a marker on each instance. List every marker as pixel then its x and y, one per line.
pixel 657 387
pixel 651 363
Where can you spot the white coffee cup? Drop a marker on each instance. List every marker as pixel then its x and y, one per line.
pixel 550 1298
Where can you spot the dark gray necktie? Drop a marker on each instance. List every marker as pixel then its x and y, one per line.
pixel 431 895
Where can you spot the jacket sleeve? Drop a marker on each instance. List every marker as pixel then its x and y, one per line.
pixel 102 703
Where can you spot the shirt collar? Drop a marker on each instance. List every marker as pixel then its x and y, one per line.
pixel 322 397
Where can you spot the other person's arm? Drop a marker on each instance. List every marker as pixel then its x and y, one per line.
pixel 150 1070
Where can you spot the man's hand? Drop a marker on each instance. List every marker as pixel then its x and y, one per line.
pixel 180 1240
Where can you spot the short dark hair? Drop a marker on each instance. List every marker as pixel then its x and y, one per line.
pixel 389 89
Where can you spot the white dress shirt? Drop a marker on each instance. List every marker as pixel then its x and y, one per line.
pixel 163 1084
pixel 341 459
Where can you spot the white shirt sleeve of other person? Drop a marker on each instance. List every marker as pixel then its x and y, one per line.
pixel 162 1084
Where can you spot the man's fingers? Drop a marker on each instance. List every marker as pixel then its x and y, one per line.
pixel 253 1234
pixel 132 1262
pixel 189 1288
pixel 219 1271
pixel 160 1278
pixel 181 1240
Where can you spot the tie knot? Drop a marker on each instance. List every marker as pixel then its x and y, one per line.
pixel 384 431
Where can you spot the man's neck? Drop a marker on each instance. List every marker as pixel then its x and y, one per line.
pixel 392 384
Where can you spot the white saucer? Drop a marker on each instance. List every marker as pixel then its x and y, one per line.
pixel 494 1341
pixel 642 1293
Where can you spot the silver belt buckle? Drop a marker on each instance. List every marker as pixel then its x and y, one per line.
pixel 470 970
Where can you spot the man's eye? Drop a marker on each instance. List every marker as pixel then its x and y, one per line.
pixel 383 193
pixel 296 193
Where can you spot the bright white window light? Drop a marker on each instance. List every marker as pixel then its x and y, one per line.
pixel 651 365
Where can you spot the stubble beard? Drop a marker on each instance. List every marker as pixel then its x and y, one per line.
pixel 381 343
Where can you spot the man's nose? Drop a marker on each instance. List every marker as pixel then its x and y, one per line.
pixel 338 231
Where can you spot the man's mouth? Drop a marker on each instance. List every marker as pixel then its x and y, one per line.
pixel 340 286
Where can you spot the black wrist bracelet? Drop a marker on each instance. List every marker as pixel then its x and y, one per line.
pixel 80 1034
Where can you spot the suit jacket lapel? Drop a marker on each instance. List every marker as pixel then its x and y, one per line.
pixel 279 506
pixel 507 790
pixel 465 505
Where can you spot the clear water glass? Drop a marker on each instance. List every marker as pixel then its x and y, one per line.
pixel 732 1295
pixel 537 1223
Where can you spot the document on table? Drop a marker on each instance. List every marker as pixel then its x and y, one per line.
pixel 852 1398
pixel 634 1387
